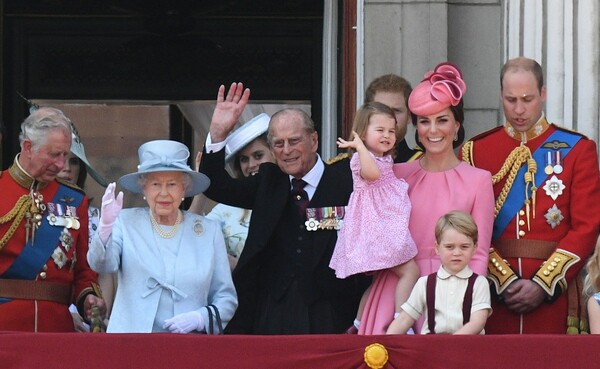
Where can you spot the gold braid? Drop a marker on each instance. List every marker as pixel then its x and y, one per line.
pixel 511 166
pixel 16 214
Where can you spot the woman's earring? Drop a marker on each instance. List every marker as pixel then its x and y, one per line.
pixel 183 199
pixel 144 197
pixel 456 136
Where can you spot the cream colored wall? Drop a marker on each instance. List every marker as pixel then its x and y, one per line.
pixel 409 37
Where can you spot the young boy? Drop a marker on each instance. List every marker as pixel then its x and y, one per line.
pixel 454 300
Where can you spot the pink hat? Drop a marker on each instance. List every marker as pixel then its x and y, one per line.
pixel 441 88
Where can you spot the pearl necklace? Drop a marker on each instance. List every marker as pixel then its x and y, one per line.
pixel 159 229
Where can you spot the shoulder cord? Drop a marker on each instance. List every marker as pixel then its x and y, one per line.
pixel 17 213
pixel 509 169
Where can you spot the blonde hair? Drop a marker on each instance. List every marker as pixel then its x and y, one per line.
pixel 363 117
pixel 458 220
pixel 591 284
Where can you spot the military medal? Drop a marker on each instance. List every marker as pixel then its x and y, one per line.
pixel 76 223
pixel 558 168
pixel 324 218
pixel 55 215
pixel 554 187
pixel 311 224
pixel 59 257
pixel 554 216
pixel 71 217
pixel 66 239
pixel 549 169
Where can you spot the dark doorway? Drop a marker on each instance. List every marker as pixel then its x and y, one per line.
pixel 157 51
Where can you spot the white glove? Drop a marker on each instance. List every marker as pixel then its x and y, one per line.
pixel 111 206
pixel 185 322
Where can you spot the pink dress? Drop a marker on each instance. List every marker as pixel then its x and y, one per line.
pixel 374 235
pixel 433 194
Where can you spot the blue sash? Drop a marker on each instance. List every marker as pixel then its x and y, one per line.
pixel 31 260
pixel 516 197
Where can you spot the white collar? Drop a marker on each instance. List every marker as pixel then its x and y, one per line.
pixel 463 274
pixel 314 175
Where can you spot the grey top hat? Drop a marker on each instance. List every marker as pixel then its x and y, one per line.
pixel 78 150
pixel 242 136
pixel 164 156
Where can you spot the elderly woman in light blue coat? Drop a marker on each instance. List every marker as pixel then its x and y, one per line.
pixel 171 264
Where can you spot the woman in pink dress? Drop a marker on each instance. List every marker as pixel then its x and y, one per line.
pixel 375 234
pixel 438 183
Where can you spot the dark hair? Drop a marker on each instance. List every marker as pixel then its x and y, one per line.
pixel 459 115
pixel 389 83
pixel 237 168
pixel 82 174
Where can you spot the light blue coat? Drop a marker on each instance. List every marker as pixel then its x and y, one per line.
pixel 202 274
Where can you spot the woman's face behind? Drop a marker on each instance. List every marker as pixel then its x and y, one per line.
pixel 253 155
pixel 70 172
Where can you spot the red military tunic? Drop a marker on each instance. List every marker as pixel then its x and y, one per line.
pixel 67 265
pixel 571 220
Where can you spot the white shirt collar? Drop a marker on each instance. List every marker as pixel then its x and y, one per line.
pixel 313 177
pixel 463 274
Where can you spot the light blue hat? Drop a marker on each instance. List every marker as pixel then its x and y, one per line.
pixel 164 156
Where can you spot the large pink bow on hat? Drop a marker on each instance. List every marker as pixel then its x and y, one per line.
pixel 447 85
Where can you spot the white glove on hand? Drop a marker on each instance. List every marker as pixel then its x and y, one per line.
pixel 111 206
pixel 185 322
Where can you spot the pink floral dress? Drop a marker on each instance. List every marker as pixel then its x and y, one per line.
pixel 375 234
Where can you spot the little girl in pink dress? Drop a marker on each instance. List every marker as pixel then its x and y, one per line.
pixel 375 234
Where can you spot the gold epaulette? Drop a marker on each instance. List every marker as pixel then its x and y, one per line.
pixel 337 158
pixel 418 153
pixel 499 271
pixel 553 270
pixel 561 128
pixel 467 153
pixel 69 184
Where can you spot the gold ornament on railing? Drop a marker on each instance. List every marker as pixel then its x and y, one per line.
pixel 376 356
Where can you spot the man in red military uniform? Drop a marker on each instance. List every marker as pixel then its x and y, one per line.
pixel 547 189
pixel 43 234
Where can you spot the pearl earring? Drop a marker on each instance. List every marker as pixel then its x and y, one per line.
pixel 183 199
pixel 144 197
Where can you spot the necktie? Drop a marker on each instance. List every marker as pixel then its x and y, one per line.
pixel 299 195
